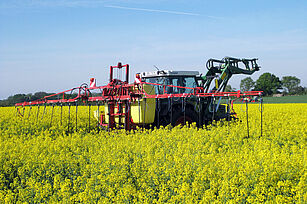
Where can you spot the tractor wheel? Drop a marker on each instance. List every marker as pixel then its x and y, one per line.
pixel 179 119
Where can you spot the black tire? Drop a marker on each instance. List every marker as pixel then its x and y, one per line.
pixel 180 119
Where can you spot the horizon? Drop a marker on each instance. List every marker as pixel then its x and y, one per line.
pixel 56 45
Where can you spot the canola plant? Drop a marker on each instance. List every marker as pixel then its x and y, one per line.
pixel 56 159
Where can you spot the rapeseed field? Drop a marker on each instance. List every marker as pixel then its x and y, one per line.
pixel 43 160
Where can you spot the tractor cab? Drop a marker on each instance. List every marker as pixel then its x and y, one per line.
pixel 171 82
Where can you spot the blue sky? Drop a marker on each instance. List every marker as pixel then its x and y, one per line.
pixel 54 45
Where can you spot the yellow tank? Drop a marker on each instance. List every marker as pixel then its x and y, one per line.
pixel 142 111
pixel 145 112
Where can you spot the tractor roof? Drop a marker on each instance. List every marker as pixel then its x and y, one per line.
pixel 161 73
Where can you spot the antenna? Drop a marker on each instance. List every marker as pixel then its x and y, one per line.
pixel 156 67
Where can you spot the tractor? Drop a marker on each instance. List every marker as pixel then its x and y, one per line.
pixel 179 94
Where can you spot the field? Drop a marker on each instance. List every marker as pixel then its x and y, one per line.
pixel 286 99
pixel 41 162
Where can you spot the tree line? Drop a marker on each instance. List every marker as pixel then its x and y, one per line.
pixel 19 98
pixel 271 84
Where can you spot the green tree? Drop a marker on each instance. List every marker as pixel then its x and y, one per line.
pixel 228 88
pixel 17 98
pixel 268 83
pixel 39 95
pixel 299 90
pixel 247 84
pixel 291 84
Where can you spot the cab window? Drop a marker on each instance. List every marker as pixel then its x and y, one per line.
pixel 175 81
